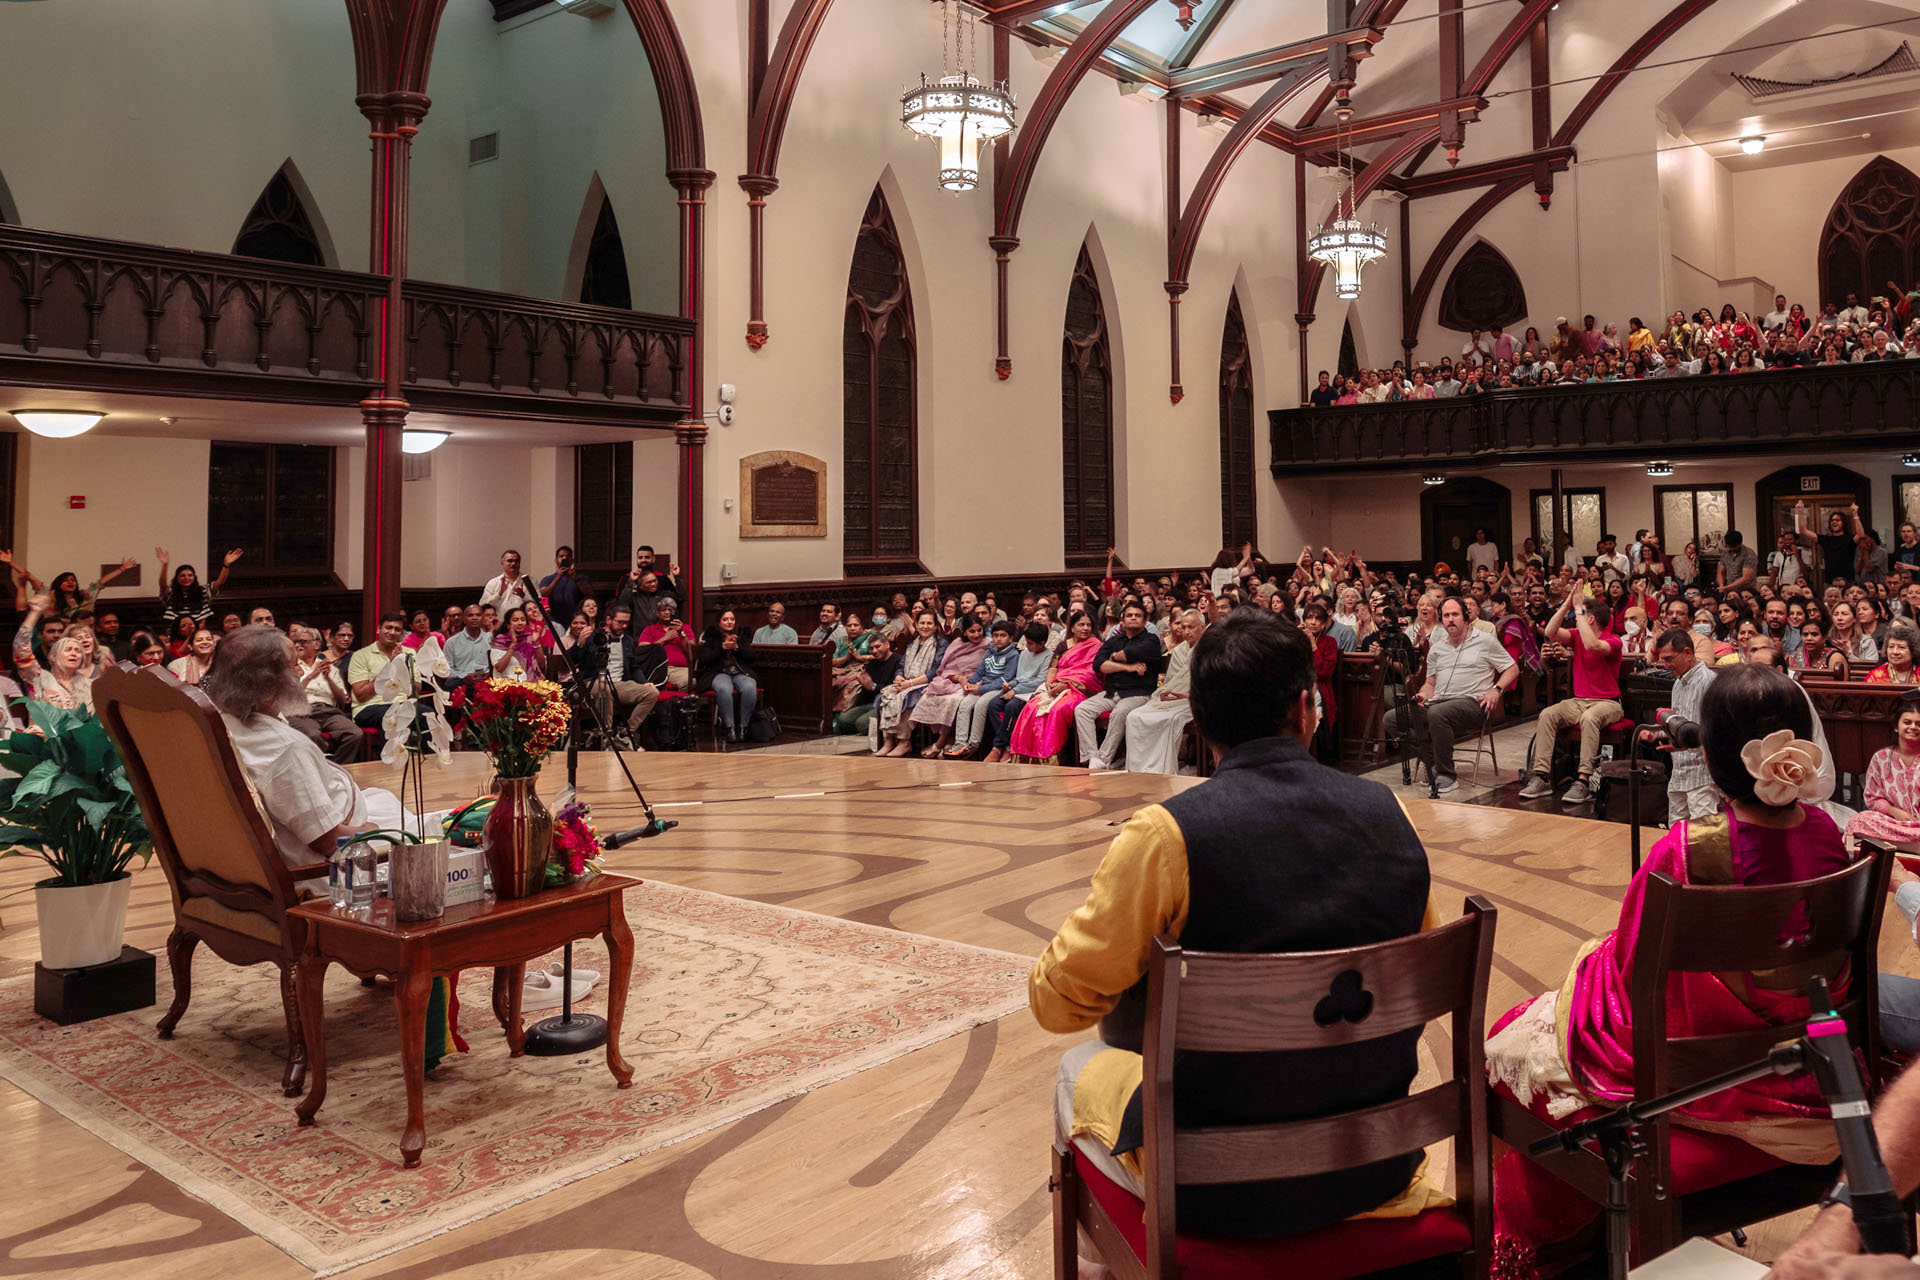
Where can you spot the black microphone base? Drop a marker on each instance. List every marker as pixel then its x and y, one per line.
pixel 558 1036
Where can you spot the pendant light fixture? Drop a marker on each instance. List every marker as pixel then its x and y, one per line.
pixel 1343 242
pixel 959 110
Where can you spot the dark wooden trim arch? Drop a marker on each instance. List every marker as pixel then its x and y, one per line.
pixel 1416 302
pixel 1788 483
pixel 1012 179
pixel 775 84
pixel 880 418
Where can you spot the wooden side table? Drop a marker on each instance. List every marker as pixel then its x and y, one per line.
pixel 503 934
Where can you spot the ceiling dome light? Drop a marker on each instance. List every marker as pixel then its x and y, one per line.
pixel 416 441
pixel 57 424
pixel 1753 144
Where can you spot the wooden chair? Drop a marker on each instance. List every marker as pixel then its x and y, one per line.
pixel 1213 1002
pixel 1726 929
pixel 231 888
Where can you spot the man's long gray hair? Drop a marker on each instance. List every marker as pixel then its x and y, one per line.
pixel 253 674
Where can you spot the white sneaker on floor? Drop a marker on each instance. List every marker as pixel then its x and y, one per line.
pixel 1097 765
pixel 1446 784
pixel 543 991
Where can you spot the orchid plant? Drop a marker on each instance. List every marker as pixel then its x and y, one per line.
pixel 411 731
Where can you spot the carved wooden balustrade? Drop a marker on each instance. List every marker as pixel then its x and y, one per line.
pixel 88 314
pixel 1775 411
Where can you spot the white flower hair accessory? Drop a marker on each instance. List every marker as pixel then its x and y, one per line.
pixel 1785 769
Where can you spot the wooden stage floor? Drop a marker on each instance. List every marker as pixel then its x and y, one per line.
pixel 932 1165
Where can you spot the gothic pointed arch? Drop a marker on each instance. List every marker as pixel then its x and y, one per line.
pixel 1237 502
pixel 282 225
pixel 1482 292
pixel 604 281
pixel 1349 365
pixel 1086 419
pixel 1872 235
pixel 880 396
pixel 9 211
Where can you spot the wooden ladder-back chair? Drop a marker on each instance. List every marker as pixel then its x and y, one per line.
pixel 1215 1002
pixel 231 888
pixel 1822 926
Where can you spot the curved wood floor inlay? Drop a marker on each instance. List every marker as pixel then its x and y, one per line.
pixel 931 1165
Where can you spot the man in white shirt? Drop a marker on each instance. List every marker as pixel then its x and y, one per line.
pixel 1612 565
pixel 1778 317
pixel 1789 563
pixel 1477 348
pixel 1468 672
pixel 1853 313
pixel 510 587
pixel 1482 553
pixel 1154 731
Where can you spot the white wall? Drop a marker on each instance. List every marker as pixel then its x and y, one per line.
pixel 1779 213
pixel 141 494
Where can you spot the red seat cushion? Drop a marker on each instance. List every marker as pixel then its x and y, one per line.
pixel 1331 1253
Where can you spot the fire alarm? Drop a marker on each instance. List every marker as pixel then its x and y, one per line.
pixel 77 501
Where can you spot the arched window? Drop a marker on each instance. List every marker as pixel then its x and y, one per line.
pixel 1349 357
pixel 1872 235
pixel 279 228
pixel 882 527
pixel 1237 518
pixel 1483 292
pixel 604 283
pixel 1086 419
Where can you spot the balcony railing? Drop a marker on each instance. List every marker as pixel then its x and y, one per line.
pixel 1775 411
pixel 84 313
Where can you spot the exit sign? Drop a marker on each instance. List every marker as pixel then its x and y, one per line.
pixel 1809 484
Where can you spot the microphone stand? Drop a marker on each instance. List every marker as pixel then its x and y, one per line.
pixel 1823 1050
pixel 578 1032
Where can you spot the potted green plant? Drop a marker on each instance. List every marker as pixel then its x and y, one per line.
pixel 69 803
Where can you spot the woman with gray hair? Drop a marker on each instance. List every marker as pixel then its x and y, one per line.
pixel 310 801
pixel 1901 648
pixel 67 678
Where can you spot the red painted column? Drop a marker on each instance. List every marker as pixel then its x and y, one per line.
pixel 691 435
pixel 394 119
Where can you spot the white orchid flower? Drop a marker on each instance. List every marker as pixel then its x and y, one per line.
pixel 395 754
pixel 395 680
pixel 430 661
pixel 439 700
pixel 398 720
pixel 440 734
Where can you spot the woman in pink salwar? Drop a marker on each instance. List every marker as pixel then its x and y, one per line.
pixel 1047 718
pixel 1893 784
pixel 1566 1054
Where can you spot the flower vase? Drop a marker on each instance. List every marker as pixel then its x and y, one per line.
pixel 518 838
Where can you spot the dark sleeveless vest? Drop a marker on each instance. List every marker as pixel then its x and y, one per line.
pixel 1284 854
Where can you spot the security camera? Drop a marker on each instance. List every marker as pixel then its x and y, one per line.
pixel 727 393
pixel 724 415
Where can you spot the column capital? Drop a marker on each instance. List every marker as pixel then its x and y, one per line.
pixel 692 435
pixel 395 111
pixel 691 182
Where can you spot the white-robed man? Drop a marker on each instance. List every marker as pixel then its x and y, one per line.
pixel 1154 732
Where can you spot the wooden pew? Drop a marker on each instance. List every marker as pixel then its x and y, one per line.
pixel 796 680
pixel 1362 709
pixel 1858 719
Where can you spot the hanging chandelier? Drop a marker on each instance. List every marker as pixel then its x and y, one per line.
pixel 1343 243
pixel 959 109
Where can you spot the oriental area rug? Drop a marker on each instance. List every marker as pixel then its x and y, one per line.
pixel 734 1006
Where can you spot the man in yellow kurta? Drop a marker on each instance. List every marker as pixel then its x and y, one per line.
pixel 1275 852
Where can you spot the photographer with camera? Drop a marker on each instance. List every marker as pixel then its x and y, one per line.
pixel 1690 791
pixel 565 587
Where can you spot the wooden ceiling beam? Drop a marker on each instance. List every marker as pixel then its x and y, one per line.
pixel 1267 64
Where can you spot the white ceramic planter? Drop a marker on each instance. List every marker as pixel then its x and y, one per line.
pixel 82 925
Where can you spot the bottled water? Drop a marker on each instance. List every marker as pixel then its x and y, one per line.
pixel 339 871
pixel 360 880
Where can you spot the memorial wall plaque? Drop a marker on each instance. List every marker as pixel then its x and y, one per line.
pixel 783 495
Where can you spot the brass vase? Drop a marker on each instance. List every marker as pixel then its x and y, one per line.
pixel 518 838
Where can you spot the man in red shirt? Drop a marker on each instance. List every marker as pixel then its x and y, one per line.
pixel 1595 703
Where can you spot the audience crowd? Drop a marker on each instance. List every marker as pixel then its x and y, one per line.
pixel 1885 327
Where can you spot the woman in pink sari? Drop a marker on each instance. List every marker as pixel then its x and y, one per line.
pixel 1893 784
pixel 1567 1054
pixel 1047 718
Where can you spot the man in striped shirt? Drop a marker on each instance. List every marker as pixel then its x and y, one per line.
pixel 1690 792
